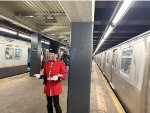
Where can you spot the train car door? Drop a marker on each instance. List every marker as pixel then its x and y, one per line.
pixel 113 66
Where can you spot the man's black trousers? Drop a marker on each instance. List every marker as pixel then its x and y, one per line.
pixel 53 100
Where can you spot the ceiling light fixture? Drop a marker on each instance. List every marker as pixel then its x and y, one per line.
pixel 101 42
pixel 42 41
pixel 8 31
pixel 109 30
pixel 126 4
pixel 24 36
pixel 121 12
pixel 47 43
pixel 31 16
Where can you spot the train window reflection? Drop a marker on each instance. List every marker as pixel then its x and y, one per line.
pixel 114 62
pixel 108 59
pixel 126 60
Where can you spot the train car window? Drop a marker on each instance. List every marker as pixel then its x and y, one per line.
pixel 108 59
pixel 114 62
pixel 127 55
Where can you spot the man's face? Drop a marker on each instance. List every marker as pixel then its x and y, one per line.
pixel 51 56
pixel 56 56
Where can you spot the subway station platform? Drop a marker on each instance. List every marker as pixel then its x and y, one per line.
pixel 24 94
pixel 103 99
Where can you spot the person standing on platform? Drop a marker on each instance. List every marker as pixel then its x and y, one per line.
pixel 42 60
pixel 54 71
pixel 65 58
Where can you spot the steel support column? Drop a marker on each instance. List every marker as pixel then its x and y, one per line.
pixel 35 65
pixel 80 68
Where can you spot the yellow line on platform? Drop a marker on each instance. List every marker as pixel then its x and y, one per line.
pixel 114 98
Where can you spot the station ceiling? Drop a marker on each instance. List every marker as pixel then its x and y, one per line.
pixel 134 22
pixel 49 18
pixel 46 17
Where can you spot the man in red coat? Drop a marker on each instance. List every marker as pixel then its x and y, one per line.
pixel 54 71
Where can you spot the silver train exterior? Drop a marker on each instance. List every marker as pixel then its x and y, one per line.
pixel 127 69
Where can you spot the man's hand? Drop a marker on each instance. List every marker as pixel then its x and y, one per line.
pixel 55 78
pixel 38 76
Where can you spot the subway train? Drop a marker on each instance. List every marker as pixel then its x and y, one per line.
pixel 127 69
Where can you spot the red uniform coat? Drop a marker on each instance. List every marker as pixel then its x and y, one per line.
pixel 53 88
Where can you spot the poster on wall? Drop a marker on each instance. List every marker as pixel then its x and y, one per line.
pixel 18 53
pixel 9 53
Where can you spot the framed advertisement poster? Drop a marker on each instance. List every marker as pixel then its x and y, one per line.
pixel 18 53
pixel 9 53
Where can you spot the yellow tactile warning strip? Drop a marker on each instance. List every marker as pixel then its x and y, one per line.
pixel 101 100
pixel 100 97
pixel 113 96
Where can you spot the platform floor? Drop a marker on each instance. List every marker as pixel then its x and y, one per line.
pixel 24 94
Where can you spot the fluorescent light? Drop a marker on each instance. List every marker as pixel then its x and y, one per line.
pixel 31 16
pixel 107 33
pixel 8 31
pixel 47 43
pixel 122 11
pixel 53 34
pixel 24 36
pixel 102 41
pixel 109 30
pixel 124 7
pixel 42 41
